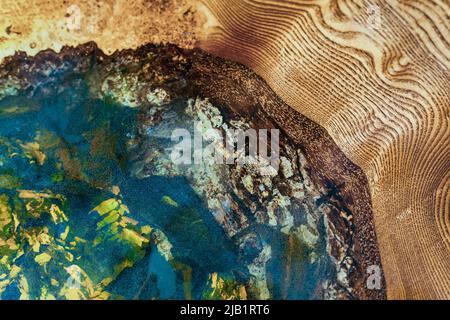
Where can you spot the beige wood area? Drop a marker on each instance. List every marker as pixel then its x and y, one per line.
pixel 374 74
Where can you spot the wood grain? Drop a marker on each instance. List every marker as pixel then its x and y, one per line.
pixel 35 25
pixel 375 75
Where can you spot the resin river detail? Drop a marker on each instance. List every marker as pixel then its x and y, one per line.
pixel 92 207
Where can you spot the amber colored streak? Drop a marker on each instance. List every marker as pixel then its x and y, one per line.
pixel 382 93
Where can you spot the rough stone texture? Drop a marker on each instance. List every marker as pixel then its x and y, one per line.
pixel 318 206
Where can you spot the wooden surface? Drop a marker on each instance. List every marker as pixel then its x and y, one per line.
pixel 376 76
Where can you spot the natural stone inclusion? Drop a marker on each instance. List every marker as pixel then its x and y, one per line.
pixel 91 206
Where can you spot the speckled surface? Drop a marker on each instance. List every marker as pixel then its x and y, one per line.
pixel 87 186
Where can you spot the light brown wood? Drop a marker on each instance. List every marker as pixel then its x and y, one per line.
pixel 35 25
pixel 376 76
